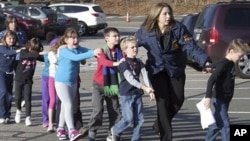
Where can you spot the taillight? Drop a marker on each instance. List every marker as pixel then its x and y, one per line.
pixel 95 14
pixel 214 36
pixel 68 22
pixel 46 21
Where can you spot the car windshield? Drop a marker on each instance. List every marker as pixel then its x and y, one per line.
pixel 206 18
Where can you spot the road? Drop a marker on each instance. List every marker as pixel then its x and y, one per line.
pixel 186 124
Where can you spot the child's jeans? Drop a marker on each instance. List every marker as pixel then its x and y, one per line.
pixel 222 123
pixel 132 114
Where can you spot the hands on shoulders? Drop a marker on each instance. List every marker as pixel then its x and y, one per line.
pixel 97 52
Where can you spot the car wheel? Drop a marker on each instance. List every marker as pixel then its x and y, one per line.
pixel 93 32
pixel 83 29
pixel 242 68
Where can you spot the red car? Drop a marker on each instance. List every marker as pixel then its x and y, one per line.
pixel 32 27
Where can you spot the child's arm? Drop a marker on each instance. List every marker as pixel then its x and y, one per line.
pixel 104 61
pixel 7 51
pixel 64 52
pixel 148 88
pixel 24 54
pixel 216 74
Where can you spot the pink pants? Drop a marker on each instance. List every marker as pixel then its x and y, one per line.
pixel 52 93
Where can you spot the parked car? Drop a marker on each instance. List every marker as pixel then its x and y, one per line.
pixel 3 4
pixel 189 21
pixel 65 22
pixel 91 17
pixel 220 23
pixel 47 16
pixel 32 27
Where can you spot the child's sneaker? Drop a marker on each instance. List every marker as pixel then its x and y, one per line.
pixel 45 125
pixel 18 116
pixel 28 121
pixel 109 137
pixel 7 121
pixel 62 134
pixel 114 137
pixel 74 135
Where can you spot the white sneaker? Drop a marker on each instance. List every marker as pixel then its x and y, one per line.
pixel 23 103
pixel 18 116
pixel 28 121
pixel 7 120
pixel 2 120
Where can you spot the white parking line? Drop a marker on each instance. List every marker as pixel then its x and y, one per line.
pixel 236 98
pixel 241 88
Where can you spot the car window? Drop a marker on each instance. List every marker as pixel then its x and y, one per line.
pixel 98 9
pixel 73 9
pixel 47 10
pixel 34 12
pixel 237 17
pixel 206 18
pixel 20 10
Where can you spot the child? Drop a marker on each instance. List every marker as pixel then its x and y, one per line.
pixel 222 80
pixel 50 38
pixel 66 75
pixel 7 65
pixel 131 91
pixel 24 77
pixel 105 83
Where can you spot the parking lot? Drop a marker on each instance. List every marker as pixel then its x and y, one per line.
pixel 186 125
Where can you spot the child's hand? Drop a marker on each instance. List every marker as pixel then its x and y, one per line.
pixel 208 68
pixel 122 60
pixel 152 96
pixel 43 52
pixel 63 46
pixel 207 103
pixel 97 52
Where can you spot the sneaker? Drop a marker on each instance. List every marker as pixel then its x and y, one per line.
pixel 45 125
pixel 2 120
pixel 109 137
pixel 62 134
pixel 51 129
pixel 84 131
pixel 114 137
pixel 7 120
pixel 28 121
pixel 23 103
pixel 18 116
pixel 74 135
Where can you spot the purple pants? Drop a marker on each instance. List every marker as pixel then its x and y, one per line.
pixel 45 98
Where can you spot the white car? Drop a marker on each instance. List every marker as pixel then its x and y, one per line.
pixel 91 17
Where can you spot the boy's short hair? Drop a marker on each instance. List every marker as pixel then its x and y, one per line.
pixel 107 31
pixel 238 45
pixel 126 40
